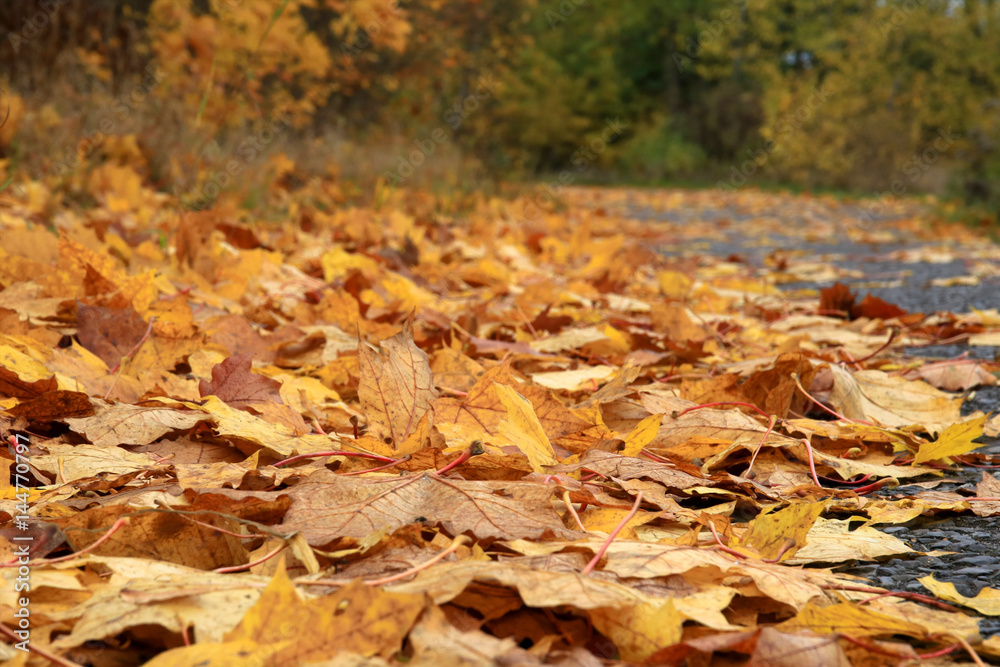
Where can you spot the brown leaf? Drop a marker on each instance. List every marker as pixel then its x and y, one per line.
pixel 156 536
pixel 12 385
pixel 455 370
pixel 790 586
pixel 618 387
pixel 786 649
pixel 53 406
pixel 438 642
pixel 235 383
pixel 836 300
pixel 328 506
pixel 396 385
pixel 891 400
pixel 773 390
pixel 77 462
pixel 875 308
pixel 110 333
pixel 988 487
pixel 480 412
pixel 673 320
pixel 722 424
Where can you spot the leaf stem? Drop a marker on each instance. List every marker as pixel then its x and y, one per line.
pixel 317 455
pixel 572 511
pixel 712 405
pixel 247 566
pixel 916 597
pixel 795 378
pixel 770 427
pixel 812 463
pixel 51 657
pixel 614 533
pixel 395 462
pixel 452 548
pixel 475 449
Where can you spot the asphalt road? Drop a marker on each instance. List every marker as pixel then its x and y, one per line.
pixel 877 261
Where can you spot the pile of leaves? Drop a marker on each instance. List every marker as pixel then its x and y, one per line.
pixel 374 435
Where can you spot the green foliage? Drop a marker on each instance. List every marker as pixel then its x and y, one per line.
pixel 659 150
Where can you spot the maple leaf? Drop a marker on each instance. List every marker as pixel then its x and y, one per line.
pixel 358 618
pixel 233 382
pixel 523 430
pixel 953 441
pixel 396 386
pixel 110 333
pixel 892 401
pixel 117 424
pixel 328 506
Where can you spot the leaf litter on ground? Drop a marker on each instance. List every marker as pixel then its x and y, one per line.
pixel 537 440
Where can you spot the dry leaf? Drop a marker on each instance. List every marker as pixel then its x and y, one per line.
pixel 121 424
pixel 328 506
pixel 396 387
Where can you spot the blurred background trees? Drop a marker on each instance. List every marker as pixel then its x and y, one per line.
pixel 865 95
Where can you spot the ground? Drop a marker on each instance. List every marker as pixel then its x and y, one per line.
pixel 619 426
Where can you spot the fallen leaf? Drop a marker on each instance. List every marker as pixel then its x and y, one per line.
pixel 523 430
pixel 953 441
pixel 892 401
pixel 122 424
pixel 589 377
pixel 640 631
pixel 957 375
pixel 328 506
pixel 110 333
pixel 851 619
pixel 54 406
pixel 642 435
pixel 834 541
pixel 396 387
pixel 986 602
pixel 779 535
pixel 234 382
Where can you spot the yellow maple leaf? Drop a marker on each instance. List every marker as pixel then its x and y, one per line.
pixel 524 430
pixel 956 440
pixel 642 435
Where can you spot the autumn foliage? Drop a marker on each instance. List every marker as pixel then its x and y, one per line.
pixel 391 434
pixel 290 376
pixel 886 98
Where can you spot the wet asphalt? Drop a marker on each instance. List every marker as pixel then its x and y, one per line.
pixel 812 236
